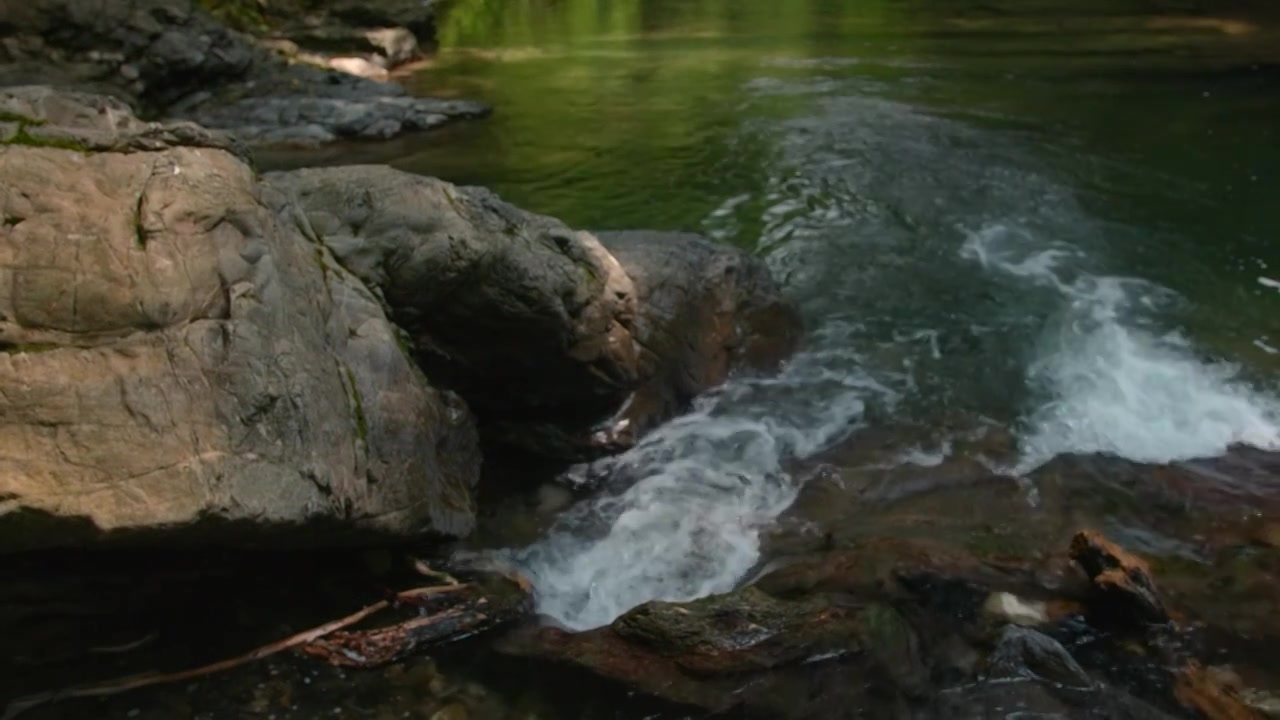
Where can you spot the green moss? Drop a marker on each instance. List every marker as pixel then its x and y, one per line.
pixel 324 272
pixel 362 424
pixel 243 15
pixel 404 342
pixel 20 119
pixel 22 137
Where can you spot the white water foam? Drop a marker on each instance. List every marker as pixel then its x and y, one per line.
pixel 1113 384
pixel 694 495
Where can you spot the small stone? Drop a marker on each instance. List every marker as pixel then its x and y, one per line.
pixel 1025 653
pixel 1011 608
pixel 1123 580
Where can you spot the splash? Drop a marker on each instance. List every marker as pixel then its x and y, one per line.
pixel 1109 381
pixel 683 517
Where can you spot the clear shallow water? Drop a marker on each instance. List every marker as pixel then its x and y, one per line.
pixel 1055 220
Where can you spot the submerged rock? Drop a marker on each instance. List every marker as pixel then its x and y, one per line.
pixel 1024 653
pixel 178 361
pixel 933 575
pixel 705 653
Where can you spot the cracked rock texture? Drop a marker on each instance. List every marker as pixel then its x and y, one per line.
pixel 177 357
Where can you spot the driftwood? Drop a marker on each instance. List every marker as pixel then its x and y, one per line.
pixel 367 648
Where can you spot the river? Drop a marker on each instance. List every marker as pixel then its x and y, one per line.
pixel 1049 224
pixel 1055 221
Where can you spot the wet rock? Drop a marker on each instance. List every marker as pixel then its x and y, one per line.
pixel 892 645
pixel 1212 694
pixel 893 568
pixel 307 106
pixel 179 362
pixel 739 632
pixel 1025 653
pixel 704 653
pixel 703 310
pixel 1123 579
pixel 173 60
pixel 1037 699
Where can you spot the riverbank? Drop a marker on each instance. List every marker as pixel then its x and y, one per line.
pixel 170 59
pixel 194 355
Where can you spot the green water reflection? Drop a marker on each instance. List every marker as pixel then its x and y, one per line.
pixel 617 113
pixel 1160 116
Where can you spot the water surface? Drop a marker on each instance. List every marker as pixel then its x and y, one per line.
pixel 1052 221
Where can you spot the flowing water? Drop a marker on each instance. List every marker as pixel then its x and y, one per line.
pixel 1053 220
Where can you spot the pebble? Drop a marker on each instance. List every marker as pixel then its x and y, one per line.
pixel 1014 609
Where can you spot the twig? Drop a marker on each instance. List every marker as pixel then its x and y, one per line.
pixel 124 647
pixel 422 568
pixel 133 682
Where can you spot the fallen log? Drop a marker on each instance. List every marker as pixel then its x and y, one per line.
pixel 372 648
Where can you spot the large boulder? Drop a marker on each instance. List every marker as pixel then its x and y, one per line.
pixel 172 59
pixel 564 346
pixel 526 318
pixel 177 359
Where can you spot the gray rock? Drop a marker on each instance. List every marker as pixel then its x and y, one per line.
pixel 527 319
pixel 97 122
pixel 302 120
pixel 540 327
pixel 704 309
pixel 173 47
pixel 1025 653
pixel 180 363
pixel 173 60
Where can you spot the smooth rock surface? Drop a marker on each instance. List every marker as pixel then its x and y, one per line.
pixel 566 345
pixel 177 360
pixel 526 318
